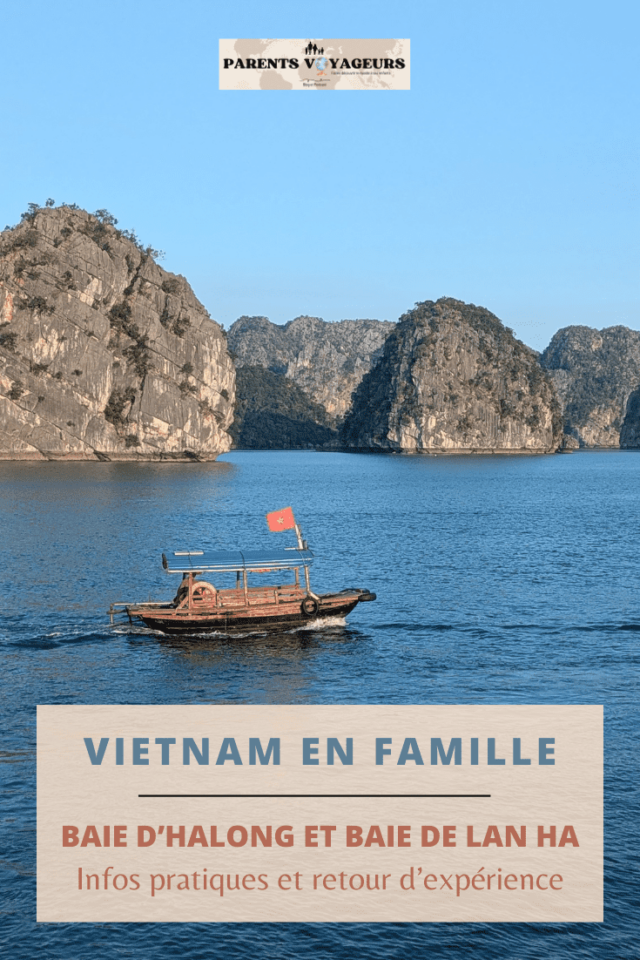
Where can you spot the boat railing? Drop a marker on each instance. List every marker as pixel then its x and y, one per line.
pixel 258 595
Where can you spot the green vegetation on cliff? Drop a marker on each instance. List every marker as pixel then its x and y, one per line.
pixel 274 413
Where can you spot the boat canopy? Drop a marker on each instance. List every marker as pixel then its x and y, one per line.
pixel 256 561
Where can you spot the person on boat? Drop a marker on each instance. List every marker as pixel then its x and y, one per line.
pixel 183 590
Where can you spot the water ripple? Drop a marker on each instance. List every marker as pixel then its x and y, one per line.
pixel 499 581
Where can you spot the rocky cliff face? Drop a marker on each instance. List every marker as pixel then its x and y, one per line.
pixel 104 355
pixel 594 372
pixel 327 360
pixel 453 379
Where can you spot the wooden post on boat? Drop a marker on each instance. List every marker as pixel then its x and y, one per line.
pixel 303 546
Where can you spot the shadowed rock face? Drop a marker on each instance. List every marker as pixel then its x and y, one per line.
pixel 274 413
pixel 594 372
pixel 630 431
pixel 327 360
pixel 104 355
pixel 451 379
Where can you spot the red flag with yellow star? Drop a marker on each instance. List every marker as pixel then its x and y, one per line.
pixel 281 519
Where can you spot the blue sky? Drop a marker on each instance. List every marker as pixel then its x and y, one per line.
pixel 506 177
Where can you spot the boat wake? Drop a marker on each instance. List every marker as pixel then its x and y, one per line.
pixel 321 623
pixel 314 626
pixel 134 630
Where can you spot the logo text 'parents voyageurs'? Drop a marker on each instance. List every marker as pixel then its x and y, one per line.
pixel 314 64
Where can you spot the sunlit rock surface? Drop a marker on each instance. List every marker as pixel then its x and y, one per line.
pixel 104 355
pixel 595 372
pixel 453 379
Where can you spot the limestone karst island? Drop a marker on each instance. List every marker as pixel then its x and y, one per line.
pixel 106 356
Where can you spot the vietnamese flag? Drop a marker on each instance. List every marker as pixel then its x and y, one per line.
pixel 281 519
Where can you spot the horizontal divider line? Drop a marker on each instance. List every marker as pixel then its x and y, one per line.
pixel 315 795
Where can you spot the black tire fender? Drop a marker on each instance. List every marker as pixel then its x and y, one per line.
pixel 309 606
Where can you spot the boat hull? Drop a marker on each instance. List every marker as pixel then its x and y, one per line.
pixel 257 619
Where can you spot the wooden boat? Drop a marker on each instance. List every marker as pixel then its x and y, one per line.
pixel 200 607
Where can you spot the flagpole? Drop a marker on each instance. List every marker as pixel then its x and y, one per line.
pixel 302 546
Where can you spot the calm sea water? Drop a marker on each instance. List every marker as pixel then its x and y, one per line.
pixel 500 580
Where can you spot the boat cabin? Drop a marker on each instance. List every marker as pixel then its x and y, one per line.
pixel 194 594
